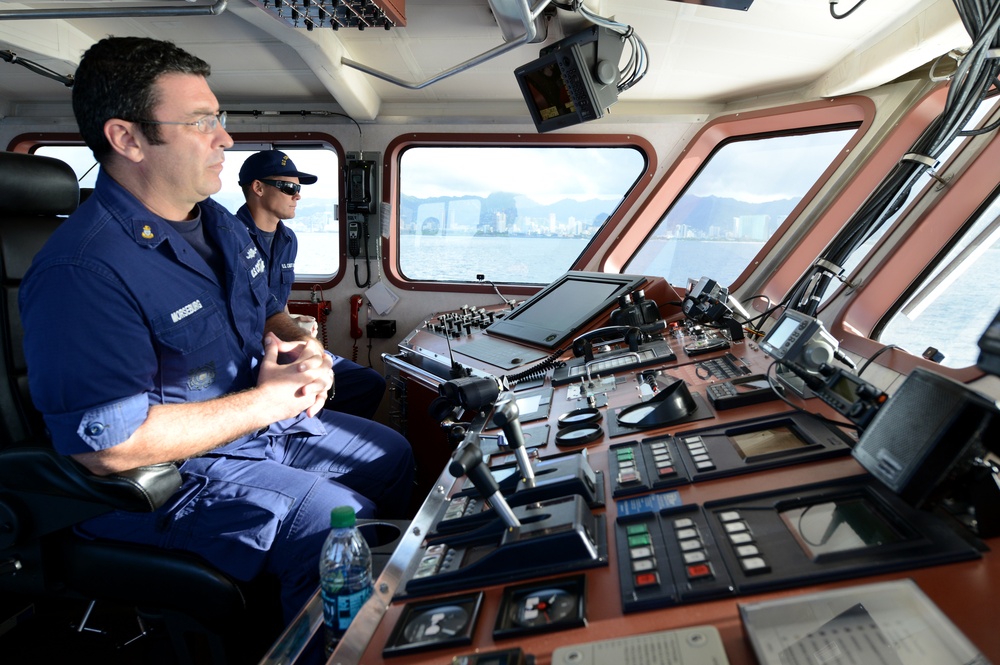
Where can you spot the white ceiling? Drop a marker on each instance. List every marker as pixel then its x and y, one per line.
pixel 697 54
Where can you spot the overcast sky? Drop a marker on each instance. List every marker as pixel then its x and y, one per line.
pixel 545 175
pixel 748 170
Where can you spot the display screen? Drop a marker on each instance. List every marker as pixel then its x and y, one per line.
pixel 564 307
pixel 780 335
pixel 839 525
pixel 847 388
pixel 766 441
pixel 547 89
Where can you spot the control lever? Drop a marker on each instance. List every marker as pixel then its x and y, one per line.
pixel 468 461
pixel 472 392
pixel 507 418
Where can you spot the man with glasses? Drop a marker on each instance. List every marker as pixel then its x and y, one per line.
pixel 148 340
pixel 271 186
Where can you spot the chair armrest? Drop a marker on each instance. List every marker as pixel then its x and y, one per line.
pixel 41 470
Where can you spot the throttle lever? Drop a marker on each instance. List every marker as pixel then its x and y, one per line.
pixel 468 461
pixel 506 416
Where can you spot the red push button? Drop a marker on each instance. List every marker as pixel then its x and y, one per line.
pixel 699 571
pixel 646 579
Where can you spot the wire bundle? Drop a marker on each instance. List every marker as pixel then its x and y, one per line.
pixel 976 73
pixel 638 62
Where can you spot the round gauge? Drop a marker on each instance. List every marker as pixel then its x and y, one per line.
pixel 544 607
pixel 582 416
pixel 444 622
pixel 534 608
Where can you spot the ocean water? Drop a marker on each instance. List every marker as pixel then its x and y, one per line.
pixel 952 323
pixel 541 260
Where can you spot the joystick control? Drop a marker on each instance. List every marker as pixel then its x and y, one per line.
pixel 468 461
pixel 507 418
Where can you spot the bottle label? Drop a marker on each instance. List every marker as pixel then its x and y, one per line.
pixel 340 609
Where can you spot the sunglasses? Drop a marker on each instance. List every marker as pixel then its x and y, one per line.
pixel 285 187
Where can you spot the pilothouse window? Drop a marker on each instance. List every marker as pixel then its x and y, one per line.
pixel 956 302
pixel 739 198
pixel 516 214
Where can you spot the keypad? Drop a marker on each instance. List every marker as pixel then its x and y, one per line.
pixel 667 557
pixel 637 467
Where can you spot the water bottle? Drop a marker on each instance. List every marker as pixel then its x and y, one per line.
pixel 345 574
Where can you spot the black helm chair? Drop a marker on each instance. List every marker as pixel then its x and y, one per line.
pixel 209 617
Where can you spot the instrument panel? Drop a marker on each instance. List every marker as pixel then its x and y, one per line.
pixel 627 531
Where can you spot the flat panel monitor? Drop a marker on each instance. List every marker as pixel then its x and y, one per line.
pixel 563 308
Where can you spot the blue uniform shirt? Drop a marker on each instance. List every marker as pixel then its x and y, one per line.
pixel 280 259
pixel 120 313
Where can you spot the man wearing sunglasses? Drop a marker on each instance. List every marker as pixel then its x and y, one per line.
pixel 271 186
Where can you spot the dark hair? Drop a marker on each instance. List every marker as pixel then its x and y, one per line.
pixel 116 79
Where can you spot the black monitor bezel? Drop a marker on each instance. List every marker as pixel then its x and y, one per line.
pixel 586 105
pixel 549 337
pixel 579 58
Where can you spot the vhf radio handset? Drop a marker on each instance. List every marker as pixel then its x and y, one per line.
pixel 353 238
pixel 583 346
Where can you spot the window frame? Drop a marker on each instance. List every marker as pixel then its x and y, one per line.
pixel 915 250
pixel 793 214
pixel 391 188
pixel 811 116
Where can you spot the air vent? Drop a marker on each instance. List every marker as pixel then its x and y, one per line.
pixel 337 14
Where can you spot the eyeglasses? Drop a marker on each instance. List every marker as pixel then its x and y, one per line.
pixel 205 124
pixel 285 187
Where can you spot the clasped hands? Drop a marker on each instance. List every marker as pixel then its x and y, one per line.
pixel 299 374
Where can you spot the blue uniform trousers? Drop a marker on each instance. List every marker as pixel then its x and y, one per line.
pixel 248 516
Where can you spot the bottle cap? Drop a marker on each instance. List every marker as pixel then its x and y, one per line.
pixel 342 517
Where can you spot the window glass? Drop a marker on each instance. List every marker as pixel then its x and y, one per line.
pixel 79 157
pixel 957 301
pixel 512 214
pixel 735 203
pixel 315 222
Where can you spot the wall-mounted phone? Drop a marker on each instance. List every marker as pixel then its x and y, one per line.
pixel 354 234
pixel 355 311
pixel 361 184
pixel 361 201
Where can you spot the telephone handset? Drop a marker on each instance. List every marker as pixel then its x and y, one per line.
pixel 355 310
pixel 360 190
pixel 353 238
pixel 583 346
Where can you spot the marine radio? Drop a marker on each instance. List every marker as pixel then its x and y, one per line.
pixel 801 343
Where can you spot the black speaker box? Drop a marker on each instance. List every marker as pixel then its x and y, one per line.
pixel 927 432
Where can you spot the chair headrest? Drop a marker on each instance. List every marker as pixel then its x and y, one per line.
pixel 36 185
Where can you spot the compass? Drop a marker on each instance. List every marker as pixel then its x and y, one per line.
pixel 434 624
pixel 541 606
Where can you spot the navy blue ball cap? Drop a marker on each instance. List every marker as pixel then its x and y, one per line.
pixel 271 163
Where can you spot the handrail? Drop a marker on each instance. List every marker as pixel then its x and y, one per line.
pixel 107 12
pixel 528 17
